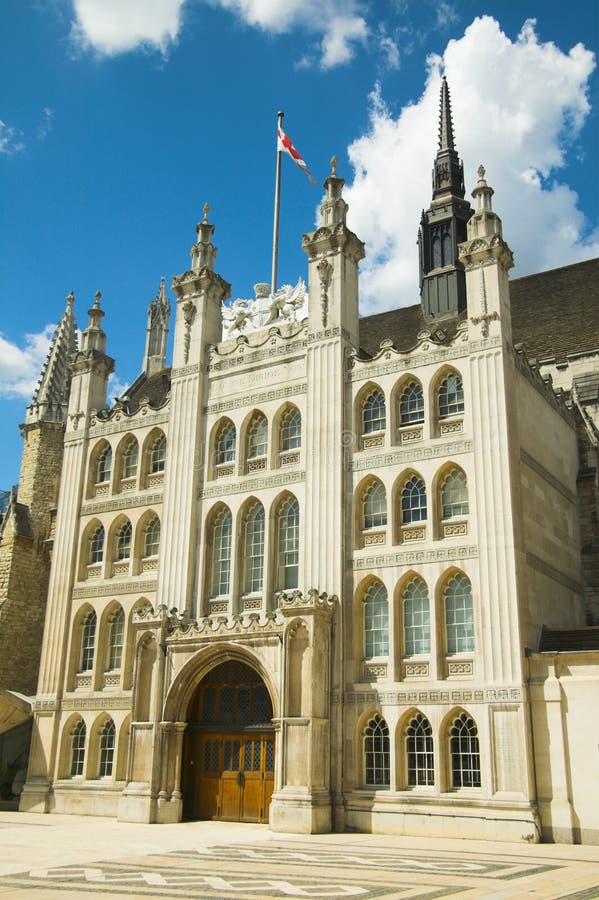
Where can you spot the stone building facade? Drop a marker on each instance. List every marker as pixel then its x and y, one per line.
pixel 297 576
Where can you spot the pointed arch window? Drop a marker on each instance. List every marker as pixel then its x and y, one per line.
pixel 451 396
pixel 78 748
pixel 291 430
pixel 377 755
pixel 454 495
pixel 130 459
pixel 419 752
pixel 411 404
pixel 88 642
pixel 225 444
pixel 221 553
pixel 374 412
pixel 152 537
pixel 376 621
pixel 288 523
pixel 254 550
pixel 375 506
pixel 158 455
pixel 107 739
pixel 416 619
pixel 104 466
pixel 257 437
pixel 123 541
pixel 465 752
pixel 116 636
pixel 459 615
pixel 413 501
pixel 96 546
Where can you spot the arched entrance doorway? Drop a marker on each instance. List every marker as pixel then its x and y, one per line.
pixel 229 747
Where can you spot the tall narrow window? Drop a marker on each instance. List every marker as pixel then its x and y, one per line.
pixel 454 495
pixel 291 430
pixel 123 541
pixel 152 537
pixel 459 617
pixel 416 619
pixel 158 455
pixel 130 458
pixel 419 752
pixel 107 736
pixel 78 748
pixel 451 396
pixel 257 437
pixel 254 550
pixel 465 752
pixel 374 413
pixel 96 546
pixel 376 621
pixel 289 544
pixel 116 635
pixel 225 444
pixel 375 506
pixel 413 501
pixel 104 467
pixel 221 553
pixel 88 642
pixel 377 767
pixel 411 404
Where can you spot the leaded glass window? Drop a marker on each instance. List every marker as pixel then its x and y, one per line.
pixel 158 455
pixel 88 642
pixel 419 752
pixel 451 396
pixel 254 550
pixel 377 767
pixel 411 404
pixel 454 495
pixel 116 635
pixel 78 748
pixel 107 737
pixel 465 752
pixel 257 437
pixel 152 537
pixel 96 546
pixel 225 444
pixel 104 465
pixel 459 616
pixel 376 621
pixel 289 544
pixel 123 541
pixel 291 430
pixel 416 619
pixel 413 501
pixel 374 413
pixel 375 506
pixel 130 459
pixel 221 553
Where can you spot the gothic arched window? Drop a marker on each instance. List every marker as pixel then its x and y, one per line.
pixel 374 513
pixel 107 739
pixel 465 752
pixel 454 495
pixel 257 441
pixel 225 444
pixel 158 455
pixel 413 501
pixel 288 562
pixel 123 541
pixel 411 404
pixel 419 752
pixel 96 546
pixel 376 621
pixel 130 459
pixel 222 531
pixel 116 636
pixel 88 642
pixel 459 615
pixel 78 748
pixel 152 537
pixel 104 466
pixel 416 618
pixel 451 396
pixel 254 550
pixel 374 412
pixel 291 430
pixel 377 756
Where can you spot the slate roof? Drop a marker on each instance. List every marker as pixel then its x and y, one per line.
pixel 562 640
pixel 153 389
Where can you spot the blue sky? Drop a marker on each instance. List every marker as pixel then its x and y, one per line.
pixel 120 118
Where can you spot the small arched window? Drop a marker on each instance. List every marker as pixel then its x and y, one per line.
pixel 419 752
pixel 123 541
pixel 413 501
pixel 411 404
pixel 107 738
pixel 225 444
pixel 158 455
pixel 116 636
pixel 465 752
pixel 291 430
pixel 104 466
pixel 152 537
pixel 254 550
pixel 454 495
pixel 416 619
pixel 88 642
pixel 451 396
pixel 374 412
pixel 288 567
pixel 78 748
pixel 376 621
pixel 221 553
pixel 96 546
pixel 130 459
pixel 459 615
pixel 374 512
pixel 257 436
pixel 377 756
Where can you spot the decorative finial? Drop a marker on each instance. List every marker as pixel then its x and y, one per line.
pixel 206 211
pixel 98 297
pixel 70 300
pixel 481 172
pixel 334 163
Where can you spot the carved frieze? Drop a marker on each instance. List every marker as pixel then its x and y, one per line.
pixel 94 507
pixel 398 457
pixel 257 399
pixel 413 557
pixel 255 484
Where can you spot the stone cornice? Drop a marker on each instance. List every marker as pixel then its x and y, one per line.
pixel 251 486
pixel 246 356
pixel 111 586
pixel 123 501
pixel 413 557
pixel 399 457
pixel 144 416
pixel 290 390
pixel 92 360
pixel 326 240
pixel 404 698
pixel 485 250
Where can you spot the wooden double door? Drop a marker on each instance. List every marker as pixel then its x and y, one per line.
pixel 229 776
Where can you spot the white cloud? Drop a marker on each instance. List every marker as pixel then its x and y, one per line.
pixel 446 15
pixel 518 107
pixel 390 52
pixel 337 44
pixel 20 367
pixel 45 126
pixel 117 26
pixel 115 388
pixel 11 139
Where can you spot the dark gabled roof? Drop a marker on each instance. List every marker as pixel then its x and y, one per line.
pixel 153 389
pixel 554 313
pixel 563 640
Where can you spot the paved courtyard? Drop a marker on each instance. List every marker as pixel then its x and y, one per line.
pixel 71 856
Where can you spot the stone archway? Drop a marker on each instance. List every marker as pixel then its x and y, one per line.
pixel 229 746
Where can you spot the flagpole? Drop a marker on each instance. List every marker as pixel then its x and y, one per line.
pixel 275 233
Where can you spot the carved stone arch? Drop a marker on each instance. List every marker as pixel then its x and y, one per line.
pixel 455 714
pixel 116 555
pixel 124 480
pixel 84 546
pixel 101 446
pixel 358 630
pixel 395 398
pixel 286 410
pixel 445 579
pixel 145 462
pixel 435 385
pixel 364 725
pixel 256 460
pixel 94 743
pixel 418 517
pixel 215 464
pixel 218 509
pixel 280 507
pixel 440 519
pixel 79 620
pixel 138 550
pixel 66 743
pixel 366 391
pixel 361 524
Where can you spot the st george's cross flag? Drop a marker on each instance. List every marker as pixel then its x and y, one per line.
pixel 285 145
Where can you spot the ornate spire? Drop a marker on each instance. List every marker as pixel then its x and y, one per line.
pixel 203 253
pixel 157 330
pixel 93 338
pixel 448 172
pixel 333 210
pixel 445 121
pixel 50 399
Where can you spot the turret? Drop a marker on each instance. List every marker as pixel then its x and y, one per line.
pixel 90 368
pixel 159 312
